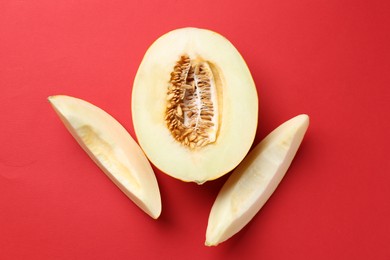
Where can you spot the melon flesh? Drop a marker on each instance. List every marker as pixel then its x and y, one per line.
pixel 254 180
pixel 232 92
pixel 113 149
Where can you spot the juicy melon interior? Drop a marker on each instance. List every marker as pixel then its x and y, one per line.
pixel 193 103
pixel 208 144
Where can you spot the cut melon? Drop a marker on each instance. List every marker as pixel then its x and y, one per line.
pixel 194 105
pixel 113 149
pixel 254 180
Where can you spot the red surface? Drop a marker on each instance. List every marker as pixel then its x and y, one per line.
pixel 329 59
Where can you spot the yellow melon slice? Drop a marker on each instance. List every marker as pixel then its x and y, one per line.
pixel 254 180
pixel 113 149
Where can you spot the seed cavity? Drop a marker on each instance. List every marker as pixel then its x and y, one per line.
pixel 192 103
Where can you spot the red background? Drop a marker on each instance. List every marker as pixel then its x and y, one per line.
pixel 329 59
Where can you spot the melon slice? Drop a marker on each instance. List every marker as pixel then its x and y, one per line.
pixel 113 149
pixel 254 180
pixel 194 105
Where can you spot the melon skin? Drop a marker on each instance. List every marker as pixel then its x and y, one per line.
pixel 237 106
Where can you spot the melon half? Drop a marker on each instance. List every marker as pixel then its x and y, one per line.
pixel 194 105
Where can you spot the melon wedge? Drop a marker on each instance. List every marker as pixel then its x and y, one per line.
pixel 112 148
pixel 194 105
pixel 254 180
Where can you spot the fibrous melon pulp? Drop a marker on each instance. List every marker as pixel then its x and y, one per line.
pixel 194 105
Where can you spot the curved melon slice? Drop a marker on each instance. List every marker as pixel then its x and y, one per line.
pixel 194 105
pixel 113 149
pixel 254 180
